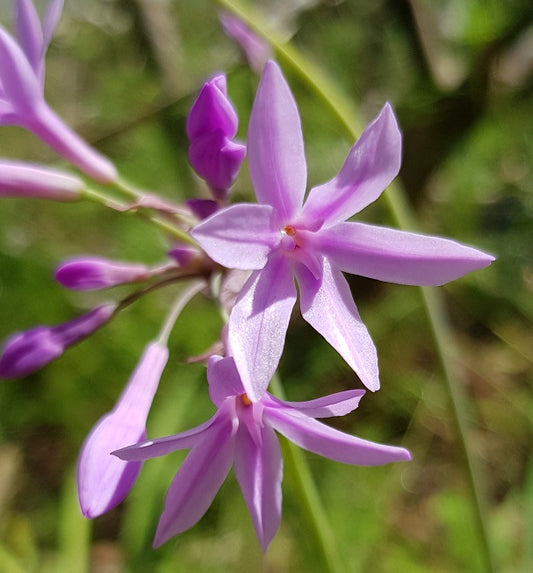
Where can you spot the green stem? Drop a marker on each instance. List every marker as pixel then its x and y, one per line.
pixel 103 198
pixel 403 217
pixel 310 497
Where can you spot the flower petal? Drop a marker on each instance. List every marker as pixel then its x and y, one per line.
pixel 197 481
pixel 373 162
pixel 29 33
pixel 104 480
pixel 328 306
pixel 259 471
pixel 50 20
pixel 163 446
pixel 239 237
pixel 20 85
pixel 338 404
pixel 258 324
pixel 398 256
pixel 331 443
pixel 223 378
pixel 275 146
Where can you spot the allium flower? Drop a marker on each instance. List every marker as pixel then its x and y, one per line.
pixel 88 273
pixel 26 352
pixel 18 179
pixel 211 127
pixel 242 433
pixel 21 91
pixel 280 238
pixel 103 479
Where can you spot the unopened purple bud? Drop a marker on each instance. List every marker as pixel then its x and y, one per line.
pixel 211 126
pixel 105 480
pixel 18 179
pixel 27 352
pixel 217 159
pixel 90 273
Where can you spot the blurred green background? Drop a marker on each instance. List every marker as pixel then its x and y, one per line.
pixel 459 74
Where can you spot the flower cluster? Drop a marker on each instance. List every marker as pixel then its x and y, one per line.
pixel 260 251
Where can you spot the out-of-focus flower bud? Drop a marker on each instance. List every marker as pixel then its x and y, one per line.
pixel 27 352
pixel 91 273
pixel 103 479
pixel 18 179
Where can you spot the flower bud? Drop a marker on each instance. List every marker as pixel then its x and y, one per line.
pixel 105 480
pixel 256 50
pixel 18 179
pixel 211 127
pixel 27 352
pixel 90 273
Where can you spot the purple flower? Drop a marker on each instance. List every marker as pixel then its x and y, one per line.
pixel 211 127
pixel 88 273
pixel 256 50
pixel 18 179
pixel 103 479
pixel 21 91
pixel 27 352
pixel 281 238
pixel 242 433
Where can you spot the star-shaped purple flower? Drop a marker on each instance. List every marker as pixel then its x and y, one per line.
pixel 280 238
pixel 241 433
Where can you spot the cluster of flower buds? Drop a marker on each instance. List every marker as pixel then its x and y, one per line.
pixel 259 250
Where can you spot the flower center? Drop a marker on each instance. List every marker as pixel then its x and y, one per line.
pixel 289 238
pixel 245 400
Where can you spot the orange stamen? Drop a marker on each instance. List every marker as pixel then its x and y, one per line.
pixel 245 400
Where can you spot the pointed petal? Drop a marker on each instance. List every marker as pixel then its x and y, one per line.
pixel 197 481
pixel 223 378
pixel 259 471
pixel 51 18
pixel 331 443
pixel 275 146
pixel 239 237
pixel 20 85
pixel 373 162
pixel 163 446
pixel 29 33
pixel 328 306
pixel 258 324
pixel 398 256
pixel 338 404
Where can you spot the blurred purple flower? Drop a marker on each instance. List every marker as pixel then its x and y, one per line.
pixel 211 126
pixel 281 238
pixel 22 90
pixel 89 273
pixel 242 433
pixel 256 50
pixel 18 179
pixel 103 479
pixel 27 352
